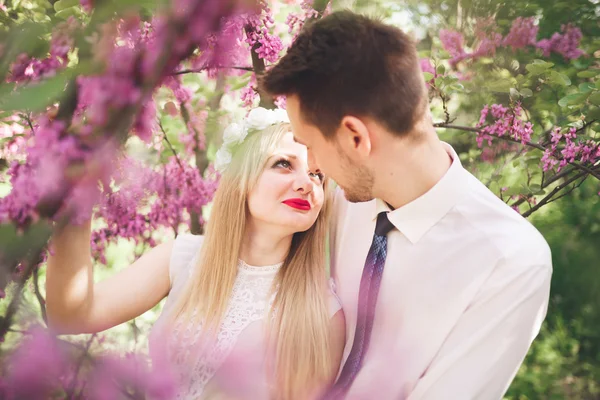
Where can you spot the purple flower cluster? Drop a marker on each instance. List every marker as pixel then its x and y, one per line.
pixel 142 200
pixel 505 122
pixel 523 33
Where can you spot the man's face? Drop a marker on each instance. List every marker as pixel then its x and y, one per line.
pixel 328 157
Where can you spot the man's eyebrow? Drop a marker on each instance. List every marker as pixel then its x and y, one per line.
pixel 298 141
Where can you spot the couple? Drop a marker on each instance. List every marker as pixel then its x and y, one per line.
pixel 440 287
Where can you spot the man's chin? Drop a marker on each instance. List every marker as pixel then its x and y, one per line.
pixel 354 197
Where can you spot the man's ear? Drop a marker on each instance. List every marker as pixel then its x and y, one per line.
pixel 354 137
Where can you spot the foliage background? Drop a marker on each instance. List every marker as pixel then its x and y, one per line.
pixel 564 361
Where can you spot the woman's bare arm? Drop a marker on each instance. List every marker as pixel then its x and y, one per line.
pixel 75 304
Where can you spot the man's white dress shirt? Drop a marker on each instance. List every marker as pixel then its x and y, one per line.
pixel 464 291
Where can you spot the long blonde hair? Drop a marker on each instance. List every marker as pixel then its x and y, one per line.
pixel 299 331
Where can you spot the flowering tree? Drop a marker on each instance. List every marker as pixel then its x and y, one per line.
pixel 116 107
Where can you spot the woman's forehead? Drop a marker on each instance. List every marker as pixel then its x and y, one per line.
pixel 288 145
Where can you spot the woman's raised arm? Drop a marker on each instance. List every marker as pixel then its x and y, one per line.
pixel 75 304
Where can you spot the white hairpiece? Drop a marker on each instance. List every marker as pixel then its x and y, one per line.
pixel 235 133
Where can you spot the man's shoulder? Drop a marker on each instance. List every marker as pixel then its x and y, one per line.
pixel 512 235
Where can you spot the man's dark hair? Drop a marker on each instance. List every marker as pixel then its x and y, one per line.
pixel 348 64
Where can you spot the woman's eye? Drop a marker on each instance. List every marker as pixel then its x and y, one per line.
pixel 283 163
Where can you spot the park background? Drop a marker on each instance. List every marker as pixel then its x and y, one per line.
pixel 144 90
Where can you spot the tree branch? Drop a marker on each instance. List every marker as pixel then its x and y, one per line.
pixel 166 139
pixel 258 65
pixel 71 388
pixel 510 139
pixel 38 294
pixel 319 6
pixel 7 320
pixel 211 127
pixel 554 191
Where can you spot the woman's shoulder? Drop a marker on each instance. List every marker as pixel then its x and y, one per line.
pixel 185 250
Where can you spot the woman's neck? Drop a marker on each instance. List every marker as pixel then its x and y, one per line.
pixel 264 247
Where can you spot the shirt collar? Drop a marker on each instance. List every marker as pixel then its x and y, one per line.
pixel 417 217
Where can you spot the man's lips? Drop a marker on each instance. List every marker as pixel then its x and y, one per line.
pixel 298 204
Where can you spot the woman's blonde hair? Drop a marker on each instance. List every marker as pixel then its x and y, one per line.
pixel 299 331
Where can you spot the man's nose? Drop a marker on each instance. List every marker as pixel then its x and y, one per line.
pixel 312 163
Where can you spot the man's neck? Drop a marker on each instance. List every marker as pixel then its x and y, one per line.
pixel 410 169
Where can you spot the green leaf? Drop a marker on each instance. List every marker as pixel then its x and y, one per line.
pixel 595 98
pixel 441 69
pixel 457 87
pixel 502 86
pixel 526 92
pixel 64 4
pixel 535 187
pixel 514 93
pixel 598 84
pixel 586 87
pixel 68 12
pixel 496 178
pixel 15 245
pixel 514 65
pixel 590 73
pixel 559 79
pixel 573 99
pixel 576 124
pixel 428 76
pixel 35 96
pixel 512 191
pixel 538 67
pixel 593 114
pixel 543 63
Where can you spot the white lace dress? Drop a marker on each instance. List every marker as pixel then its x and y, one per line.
pixel 232 365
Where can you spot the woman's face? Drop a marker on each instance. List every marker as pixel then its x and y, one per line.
pixel 287 194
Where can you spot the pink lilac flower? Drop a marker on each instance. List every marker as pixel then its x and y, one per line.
pixel 145 199
pixel 523 32
pixel 25 68
pixel 565 44
pixel 506 122
pixel 453 43
pixel 37 367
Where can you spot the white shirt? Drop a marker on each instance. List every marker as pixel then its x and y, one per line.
pixel 464 291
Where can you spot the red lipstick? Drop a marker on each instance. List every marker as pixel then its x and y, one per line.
pixel 298 204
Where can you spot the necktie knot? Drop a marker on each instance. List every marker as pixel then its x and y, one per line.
pixel 383 225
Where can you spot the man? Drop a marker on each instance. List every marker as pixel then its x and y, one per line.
pixel 444 294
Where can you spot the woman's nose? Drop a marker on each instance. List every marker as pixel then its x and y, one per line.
pixel 302 182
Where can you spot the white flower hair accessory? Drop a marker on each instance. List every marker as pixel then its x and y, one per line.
pixel 235 133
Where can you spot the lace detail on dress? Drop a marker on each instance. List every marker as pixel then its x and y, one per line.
pixel 251 300
pixel 251 268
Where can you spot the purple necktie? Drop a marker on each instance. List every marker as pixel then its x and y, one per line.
pixel 367 300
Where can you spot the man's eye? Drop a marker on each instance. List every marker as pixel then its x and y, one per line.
pixel 317 175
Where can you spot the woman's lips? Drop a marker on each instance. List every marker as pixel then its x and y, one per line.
pixel 298 204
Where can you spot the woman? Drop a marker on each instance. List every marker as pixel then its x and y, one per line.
pixel 249 311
